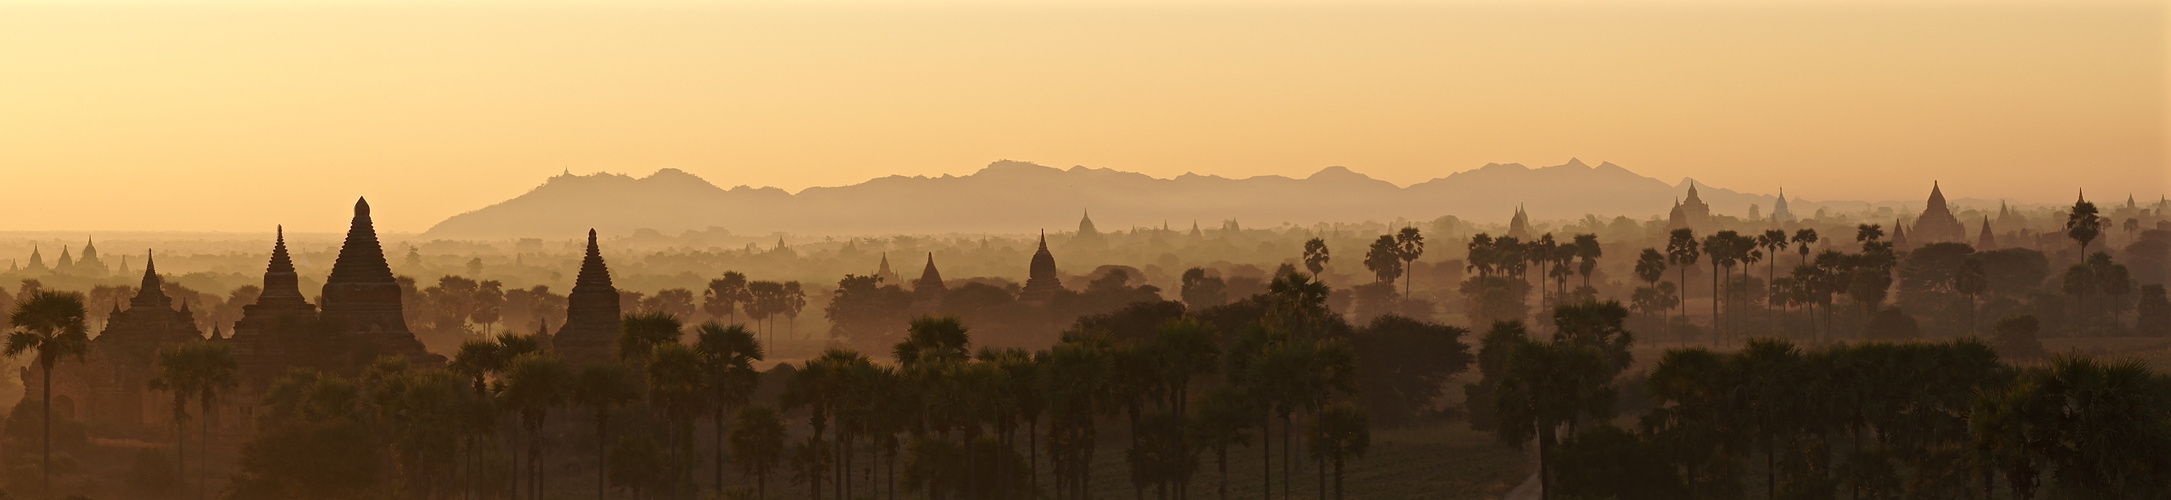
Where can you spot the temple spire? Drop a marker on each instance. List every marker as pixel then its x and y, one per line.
pixel 281 285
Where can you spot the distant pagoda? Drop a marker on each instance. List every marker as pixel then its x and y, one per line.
pixel 1519 225
pixel 927 291
pixel 1937 224
pixel 1041 283
pixel 592 324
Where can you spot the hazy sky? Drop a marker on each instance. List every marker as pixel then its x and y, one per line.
pixel 239 115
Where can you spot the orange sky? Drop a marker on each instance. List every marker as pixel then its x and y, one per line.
pixel 236 116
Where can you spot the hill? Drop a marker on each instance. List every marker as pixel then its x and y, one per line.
pixel 1017 197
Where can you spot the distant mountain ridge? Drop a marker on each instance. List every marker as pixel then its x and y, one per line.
pixel 1016 197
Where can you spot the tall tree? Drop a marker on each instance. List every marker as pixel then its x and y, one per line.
pixel 1682 252
pixel 1384 259
pixel 601 388
pixel 214 368
pixel 49 324
pixel 177 376
pixel 535 384
pixel 1315 256
pixel 1409 245
pixel 727 359
pixel 1339 432
pixel 757 444
pixel 723 296
pixel 1587 251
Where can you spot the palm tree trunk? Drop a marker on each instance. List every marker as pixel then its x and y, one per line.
pixel 47 466
pixel 1337 476
pixel 1266 456
pixel 602 457
pixel 1715 334
pixel 203 457
pixel 1285 456
pixel 719 448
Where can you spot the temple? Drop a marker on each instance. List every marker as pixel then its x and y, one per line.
pixel 1987 241
pixel 1519 225
pixel 1041 283
pixel 88 264
pixel 1691 213
pixel 883 274
pixel 110 387
pixel 592 324
pixel 1937 224
pixel 1779 212
pixel 927 291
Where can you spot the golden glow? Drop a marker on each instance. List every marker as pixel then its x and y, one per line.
pixel 238 116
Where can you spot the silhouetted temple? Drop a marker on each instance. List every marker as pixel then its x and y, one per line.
pixel 883 274
pixel 1041 283
pixel 927 291
pixel 110 387
pixel 592 313
pixel 1937 224
pixel 1899 236
pixel 1519 225
pixel 1987 241
pixel 37 262
pixel 362 299
pixel 1691 213
pixel 1780 214
pixel 88 264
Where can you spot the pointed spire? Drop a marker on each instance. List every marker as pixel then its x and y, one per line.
pixel 281 285
pixel 280 261
pixel 1085 224
pixel 215 332
pixel 361 258
pixel 593 272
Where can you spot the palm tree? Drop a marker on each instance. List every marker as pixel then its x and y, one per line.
pixel 1315 256
pixel 1588 250
pixel 757 444
pixel 51 324
pixel 1339 432
pixel 214 369
pixel 600 388
pixel 1651 267
pixel 727 357
pixel 1773 241
pixel 723 296
pixel 177 376
pixel 1802 239
pixel 1384 259
pixel 1221 421
pixel 678 390
pixel 536 383
pixel 810 461
pixel 2083 225
pixel 1720 247
pixel 1681 251
pixel 1548 384
pixel 1409 245
pixel 645 331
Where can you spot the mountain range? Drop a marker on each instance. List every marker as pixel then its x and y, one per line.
pixel 1018 197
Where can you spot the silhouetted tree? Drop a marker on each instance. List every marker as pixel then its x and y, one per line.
pixel 1315 256
pixel 50 326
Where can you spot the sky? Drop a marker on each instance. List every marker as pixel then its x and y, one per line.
pixel 236 116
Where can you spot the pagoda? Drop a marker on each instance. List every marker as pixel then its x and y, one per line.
pixel 592 324
pixel 1937 224
pixel 1041 283
pixel 927 291
pixel 110 385
pixel 1987 241
pixel 362 299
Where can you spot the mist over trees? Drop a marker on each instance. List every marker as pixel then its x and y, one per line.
pixel 1691 355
